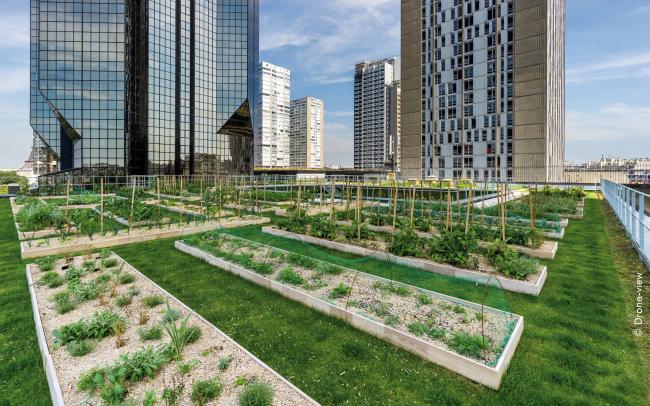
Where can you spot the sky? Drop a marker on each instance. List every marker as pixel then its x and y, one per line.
pixel 608 69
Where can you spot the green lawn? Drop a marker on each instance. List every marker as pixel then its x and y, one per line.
pixel 577 346
pixel 22 380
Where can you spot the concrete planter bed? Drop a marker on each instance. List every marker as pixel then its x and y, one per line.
pixel 211 354
pixel 546 251
pixel 190 209
pixel 45 247
pixel 532 286
pixel 249 208
pixel 394 312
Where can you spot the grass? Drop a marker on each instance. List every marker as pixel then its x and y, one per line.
pixel 22 379
pixel 577 346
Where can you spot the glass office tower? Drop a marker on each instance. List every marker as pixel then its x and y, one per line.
pixel 145 86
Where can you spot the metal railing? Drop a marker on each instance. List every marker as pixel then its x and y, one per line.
pixel 629 206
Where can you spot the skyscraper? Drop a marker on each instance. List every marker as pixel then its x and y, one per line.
pixel 272 148
pixel 307 128
pixel 376 118
pixel 483 89
pixel 145 87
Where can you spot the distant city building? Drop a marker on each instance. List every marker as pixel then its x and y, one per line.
pixel 376 115
pixel 621 170
pixel 146 87
pixel 307 128
pixel 272 147
pixel 483 89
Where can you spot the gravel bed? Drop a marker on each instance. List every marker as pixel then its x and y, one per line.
pixel 378 301
pixel 208 350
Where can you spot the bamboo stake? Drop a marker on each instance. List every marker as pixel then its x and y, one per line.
pixel 467 209
pixel 332 196
pixel 394 195
pixel 132 203
pixel 412 202
pixel 158 194
pixel 299 201
pixel 101 205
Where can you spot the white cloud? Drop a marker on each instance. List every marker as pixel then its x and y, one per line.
pixel 15 29
pixel 617 129
pixel 613 68
pixel 339 144
pixel 330 37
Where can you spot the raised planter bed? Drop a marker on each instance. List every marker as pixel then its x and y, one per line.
pixel 529 287
pixel 39 248
pixel 207 353
pixel 546 251
pixel 385 309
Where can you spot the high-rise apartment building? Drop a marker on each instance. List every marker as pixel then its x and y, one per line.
pixel 307 127
pixel 483 89
pixel 272 148
pixel 145 87
pixel 376 114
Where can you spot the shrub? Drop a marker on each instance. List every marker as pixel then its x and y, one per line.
pixel 224 362
pixel 127 278
pixel 124 300
pixel 356 231
pixel 103 324
pixel 340 291
pixel 458 309
pixel 424 299
pixel 301 261
pixel 109 262
pixel 170 315
pixel 417 329
pixel 323 227
pixel 205 391
pixel 192 334
pixel 288 275
pixel 454 247
pixel 518 266
pixel 469 345
pixel 152 301
pixel 405 243
pixel 256 394
pixel 63 303
pixel 150 333
pixel 46 264
pixel 51 279
pixel 496 250
pixel 80 348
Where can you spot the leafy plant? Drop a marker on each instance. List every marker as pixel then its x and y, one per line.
pixel 469 345
pixel 192 334
pixel 150 398
pixel 63 303
pixel 417 328
pixel 323 227
pixel 124 300
pixel 170 315
pixel 204 391
pixel 341 290
pixel 46 264
pixel 517 266
pixel 454 247
pixel 152 301
pixel 186 367
pixel 80 348
pixel 109 262
pixel 51 279
pixel 391 288
pixel 405 243
pixel 288 275
pixel 127 278
pixel 256 393
pixel 224 362
pixel 150 333
pixel 424 299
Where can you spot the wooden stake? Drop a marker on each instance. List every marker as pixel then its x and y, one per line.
pixel 101 205
pixel 132 203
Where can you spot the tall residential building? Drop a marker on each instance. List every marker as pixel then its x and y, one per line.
pixel 145 87
pixel 272 148
pixel 483 89
pixel 376 114
pixel 307 128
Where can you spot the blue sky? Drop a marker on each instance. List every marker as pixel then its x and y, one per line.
pixel 608 69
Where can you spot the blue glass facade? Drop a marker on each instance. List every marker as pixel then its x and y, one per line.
pixel 145 86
